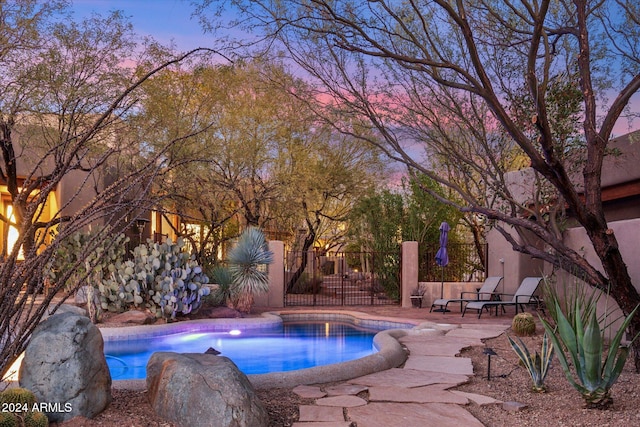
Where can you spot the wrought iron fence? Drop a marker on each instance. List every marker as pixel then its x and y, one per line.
pixel 345 278
pixel 466 264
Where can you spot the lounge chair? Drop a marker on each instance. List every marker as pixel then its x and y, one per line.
pixel 484 294
pixel 523 296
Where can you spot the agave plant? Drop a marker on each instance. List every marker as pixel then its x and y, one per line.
pixel 248 261
pixel 224 293
pixel 537 364
pixel 578 338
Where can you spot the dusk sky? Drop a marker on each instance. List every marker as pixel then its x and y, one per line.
pixel 171 20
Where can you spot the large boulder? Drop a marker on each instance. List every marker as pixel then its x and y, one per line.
pixel 64 308
pixel 64 365
pixel 202 390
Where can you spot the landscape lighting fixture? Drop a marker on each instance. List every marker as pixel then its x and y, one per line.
pixel 489 352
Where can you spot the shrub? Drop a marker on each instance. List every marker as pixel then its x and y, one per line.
pixel 225 292
pixel 307 285
pixel 79 250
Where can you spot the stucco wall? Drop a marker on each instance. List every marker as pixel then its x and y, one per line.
pixel 628 234
pixel 512 266
pixel 517 266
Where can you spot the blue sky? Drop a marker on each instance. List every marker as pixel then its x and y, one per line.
pixel 165 20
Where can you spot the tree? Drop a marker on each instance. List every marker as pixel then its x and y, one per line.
pixel 246 130
pixel 449 75
pixel 270 163
pixel 67 93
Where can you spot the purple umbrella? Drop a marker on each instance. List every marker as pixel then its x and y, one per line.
pixel 442 258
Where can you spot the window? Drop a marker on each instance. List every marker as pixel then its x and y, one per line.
pixel 12 233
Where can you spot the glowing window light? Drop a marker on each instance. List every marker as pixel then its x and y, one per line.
pixel 13 235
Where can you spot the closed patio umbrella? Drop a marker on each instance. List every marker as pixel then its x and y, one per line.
pixel 442 257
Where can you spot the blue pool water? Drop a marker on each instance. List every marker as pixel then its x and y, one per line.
pixel 288 347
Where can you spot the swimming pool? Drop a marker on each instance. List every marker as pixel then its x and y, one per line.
pixel 280 347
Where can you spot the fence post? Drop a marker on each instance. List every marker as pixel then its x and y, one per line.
pixel 409 271
pixel 275 296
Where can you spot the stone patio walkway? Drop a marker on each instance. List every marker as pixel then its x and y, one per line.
pixel 415 395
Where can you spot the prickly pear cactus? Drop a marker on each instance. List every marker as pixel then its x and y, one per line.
pixel 523 324
pixel 161 277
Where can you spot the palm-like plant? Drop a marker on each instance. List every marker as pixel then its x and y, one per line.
pixel 248 261
pixel 577 336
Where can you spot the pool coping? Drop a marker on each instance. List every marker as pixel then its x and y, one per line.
pixel 391 353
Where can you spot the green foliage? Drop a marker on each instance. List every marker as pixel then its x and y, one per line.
pixel 248 261
pixel 523 324
pixel 306 285
pixel 376 222
pixel 382 220
pixel 580 341
pixel 18 395
pixel 538 364
pixel 423 212
pixel 161 277
pixel 225 292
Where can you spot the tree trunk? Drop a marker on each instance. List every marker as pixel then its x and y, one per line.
pixel 620 285
pixel 308 243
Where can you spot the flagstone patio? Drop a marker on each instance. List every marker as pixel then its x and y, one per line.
pixel 415 395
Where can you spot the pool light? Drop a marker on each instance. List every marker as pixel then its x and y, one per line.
pixel 234 332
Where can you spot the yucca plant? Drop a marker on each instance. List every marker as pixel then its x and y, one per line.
pixel 578 338
pixel 537 364
pixel 248 261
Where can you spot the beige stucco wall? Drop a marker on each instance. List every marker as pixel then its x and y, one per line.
pixel 275 296
pixel 512 266
pixel 450 290
pixel 73 193
pixel 517 266
pixel 628 234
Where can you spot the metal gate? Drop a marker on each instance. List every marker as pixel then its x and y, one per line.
pixel 344 278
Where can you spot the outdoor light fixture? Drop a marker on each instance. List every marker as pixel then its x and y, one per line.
pixel 141 223
pixel 489 352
